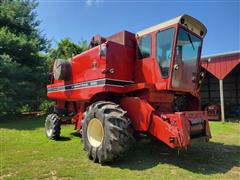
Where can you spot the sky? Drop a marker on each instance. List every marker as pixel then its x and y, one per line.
pixel 82 19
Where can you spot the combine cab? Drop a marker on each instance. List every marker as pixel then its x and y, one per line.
pixel 128 84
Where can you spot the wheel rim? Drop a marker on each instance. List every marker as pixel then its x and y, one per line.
pixel 49 129
pixel 95 132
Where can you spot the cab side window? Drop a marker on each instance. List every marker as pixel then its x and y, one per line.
pixel 144 47
pixel 164 50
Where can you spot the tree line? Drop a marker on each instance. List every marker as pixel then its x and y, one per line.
pixel 26 57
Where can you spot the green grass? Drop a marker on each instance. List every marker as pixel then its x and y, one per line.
pixel 27 154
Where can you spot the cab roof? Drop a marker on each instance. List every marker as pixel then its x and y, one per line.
pixel 186 20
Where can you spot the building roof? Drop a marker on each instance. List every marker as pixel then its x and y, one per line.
pixel 220 54
pixel 221 65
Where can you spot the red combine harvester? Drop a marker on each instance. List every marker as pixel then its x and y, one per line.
pixel 128 84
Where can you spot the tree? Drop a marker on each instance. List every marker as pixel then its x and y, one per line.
pixel 23 72
pixel 66 49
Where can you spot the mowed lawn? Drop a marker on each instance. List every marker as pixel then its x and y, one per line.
pixel 26 153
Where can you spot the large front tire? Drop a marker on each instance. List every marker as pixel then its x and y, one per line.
pixel 107 133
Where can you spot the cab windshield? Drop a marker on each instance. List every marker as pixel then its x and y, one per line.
pixel 187 47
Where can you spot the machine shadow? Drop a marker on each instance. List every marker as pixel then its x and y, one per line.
pixel 75 134
pixel 63 138
pixel 206 158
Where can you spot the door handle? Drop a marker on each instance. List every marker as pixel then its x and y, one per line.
pixel 176 67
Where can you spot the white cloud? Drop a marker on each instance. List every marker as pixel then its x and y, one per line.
pixel 93 2
pixel 89 2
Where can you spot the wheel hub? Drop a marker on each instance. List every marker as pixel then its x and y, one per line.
pixel 95 132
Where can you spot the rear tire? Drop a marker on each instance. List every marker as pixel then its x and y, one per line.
pixel 53 126
pixel 107 133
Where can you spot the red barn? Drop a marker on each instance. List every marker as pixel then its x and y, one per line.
pixel 221 87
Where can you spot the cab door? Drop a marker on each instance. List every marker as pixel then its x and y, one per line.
pixel 185 64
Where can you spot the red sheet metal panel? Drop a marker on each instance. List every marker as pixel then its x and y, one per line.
pixel 221 65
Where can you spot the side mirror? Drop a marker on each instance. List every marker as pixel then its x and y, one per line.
pixel 103 50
